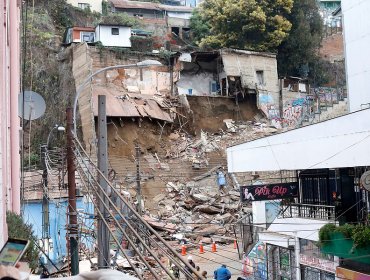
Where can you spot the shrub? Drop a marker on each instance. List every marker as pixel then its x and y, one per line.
pixel 18 229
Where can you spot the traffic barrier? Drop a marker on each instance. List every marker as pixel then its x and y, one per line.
pixel 201 249
pixel 183 250
pixel 214 249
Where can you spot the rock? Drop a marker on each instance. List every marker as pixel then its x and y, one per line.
pixel 209 209
pixel 159 197
pixel 200 197
pixel 174 136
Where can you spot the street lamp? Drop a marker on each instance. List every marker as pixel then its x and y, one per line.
pixel 142 64
pixel 59 128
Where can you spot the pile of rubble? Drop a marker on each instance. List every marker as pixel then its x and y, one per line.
pixel 191 214
pixel 195 150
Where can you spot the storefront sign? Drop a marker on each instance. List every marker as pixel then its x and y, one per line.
pixel 318 263
pixel 343 273
pixel 268 191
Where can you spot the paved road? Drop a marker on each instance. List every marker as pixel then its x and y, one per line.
pixel 211 261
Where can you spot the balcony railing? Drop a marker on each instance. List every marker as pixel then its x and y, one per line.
pixel 309 211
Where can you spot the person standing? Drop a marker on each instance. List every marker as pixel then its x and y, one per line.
pixel 222 273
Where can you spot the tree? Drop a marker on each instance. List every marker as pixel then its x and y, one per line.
pixel 199 27
pixel 18 229
pixel 298 53
pixel 246 24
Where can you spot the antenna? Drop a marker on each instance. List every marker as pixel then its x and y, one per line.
pixel 34 105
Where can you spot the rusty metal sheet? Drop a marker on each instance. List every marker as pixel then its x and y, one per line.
pixel 119 106
pixel 116 107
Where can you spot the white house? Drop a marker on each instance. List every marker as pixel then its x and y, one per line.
pixel 113 35
pixel 93 5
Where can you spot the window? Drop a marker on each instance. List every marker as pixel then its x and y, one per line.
pixel 84 6
pixel 260 78
pixel 87 37
pixel 115 31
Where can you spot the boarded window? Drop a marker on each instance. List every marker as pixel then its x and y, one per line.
pixel 260 78
pixel 115 31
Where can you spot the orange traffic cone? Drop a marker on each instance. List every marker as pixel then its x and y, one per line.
pixel 201 249
pixel 214 249
pixel 235 244
pixel 183 250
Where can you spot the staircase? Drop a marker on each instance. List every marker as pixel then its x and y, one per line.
pixel 325 111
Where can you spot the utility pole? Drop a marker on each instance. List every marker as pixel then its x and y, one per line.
pixel 45 201
pixel 138 190
pixel 103 233
pixel 72 212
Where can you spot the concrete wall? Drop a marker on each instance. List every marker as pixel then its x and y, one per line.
pixel 104 34
pixel 82 68
pixel 146 81
pixel 246 64
pixel 95 5
pixel 357 41
pixel 178 22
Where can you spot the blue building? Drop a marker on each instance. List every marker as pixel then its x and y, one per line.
pixel 58 209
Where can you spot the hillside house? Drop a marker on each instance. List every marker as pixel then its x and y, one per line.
pixel 245 75
pixel 160 19
pixel 93 5
pixel 78 34
pixel 178 20
pixel 113 35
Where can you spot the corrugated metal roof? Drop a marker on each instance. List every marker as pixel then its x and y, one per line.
pixel 120 104
pixel 124 4
pixel 177 8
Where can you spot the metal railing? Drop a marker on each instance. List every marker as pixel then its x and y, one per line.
pixel 309 211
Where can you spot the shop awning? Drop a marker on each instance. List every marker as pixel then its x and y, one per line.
pixel 340 142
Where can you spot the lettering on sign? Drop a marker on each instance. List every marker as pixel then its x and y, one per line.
pixel 269 191
pixel 317 263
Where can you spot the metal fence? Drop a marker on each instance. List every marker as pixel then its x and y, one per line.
pixel 309 211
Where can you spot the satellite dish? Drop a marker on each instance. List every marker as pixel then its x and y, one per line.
pixel 365 180
pixel 34 105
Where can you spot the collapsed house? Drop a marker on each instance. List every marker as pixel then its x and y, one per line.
pixel 241 74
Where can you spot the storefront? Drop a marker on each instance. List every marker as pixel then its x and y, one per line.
pixel 315 265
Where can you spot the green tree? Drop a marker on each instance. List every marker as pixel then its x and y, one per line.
pixel 298 53
pixel 199 27
pixel 247 24
pixel 18 229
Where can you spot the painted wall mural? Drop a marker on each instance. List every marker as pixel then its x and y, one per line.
pixel 255 264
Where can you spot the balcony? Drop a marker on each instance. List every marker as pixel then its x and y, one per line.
pixel 309 211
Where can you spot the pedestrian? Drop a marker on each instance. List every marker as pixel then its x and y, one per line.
pixel 222 273
pixel 190 272
pixel 204 274
pixel 175 271
pixel 221 180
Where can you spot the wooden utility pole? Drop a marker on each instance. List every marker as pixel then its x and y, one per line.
pixel 103 232
pixel 72 212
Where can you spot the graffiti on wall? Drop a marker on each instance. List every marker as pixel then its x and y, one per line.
pixel 268 107
pixel 254 264
pixel 296 109
pixel 327 94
